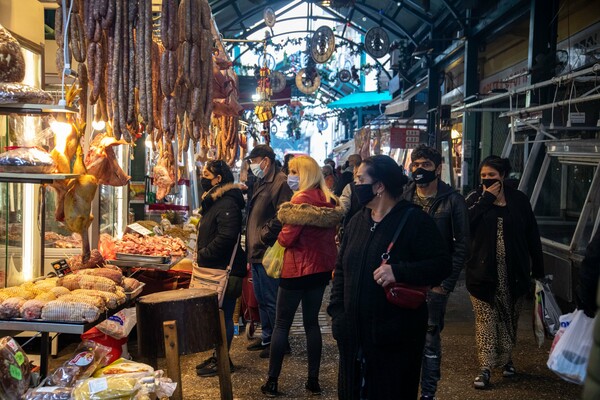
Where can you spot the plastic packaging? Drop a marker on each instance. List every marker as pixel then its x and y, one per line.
pixel 14 370
pixel 273 260
pixel 20 93
pixel 26 159
pixel 123 366
pixel 88 357
pixel 107 387
pixel 570 356
pixel 49 393
pixel 120 324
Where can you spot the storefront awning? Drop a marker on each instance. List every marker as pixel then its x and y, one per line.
pixel 361 99
pixel 400 104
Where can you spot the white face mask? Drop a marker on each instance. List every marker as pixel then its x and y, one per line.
pixel 257 170
pixel 293 182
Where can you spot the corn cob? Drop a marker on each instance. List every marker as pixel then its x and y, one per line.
pixel 73 282
pixel 59 291
pixel 114 275
pixel 95 301
pixel 32 309
pixel 58 310
pixel 11 307
pixel 46 296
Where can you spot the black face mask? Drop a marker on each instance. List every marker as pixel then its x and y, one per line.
pixel 364 193
pixel 489 182
pixel 421 176
pixel 206 185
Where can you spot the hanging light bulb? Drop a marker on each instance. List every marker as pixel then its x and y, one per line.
pixel 61 130
pixel 98 125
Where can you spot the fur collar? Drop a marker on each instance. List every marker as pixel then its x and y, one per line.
pixel 219 191
pixel 308 214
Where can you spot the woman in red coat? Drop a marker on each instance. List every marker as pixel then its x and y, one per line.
pixel 308 236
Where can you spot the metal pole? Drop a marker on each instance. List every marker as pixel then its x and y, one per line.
pixel 529 110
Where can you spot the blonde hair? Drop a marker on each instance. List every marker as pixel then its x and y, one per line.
pixel 311 176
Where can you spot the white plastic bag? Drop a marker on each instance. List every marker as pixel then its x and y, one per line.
pixel 120 324
pixel 565 321
pixel 570 357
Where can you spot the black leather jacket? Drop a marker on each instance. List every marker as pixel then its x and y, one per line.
pixel 450 213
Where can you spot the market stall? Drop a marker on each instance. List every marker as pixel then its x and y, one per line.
pixel 123 77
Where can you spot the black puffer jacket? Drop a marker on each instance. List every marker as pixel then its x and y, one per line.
pixel 220 225
pixel 524 259
pixel 449 211
pixel 262 225
pixel 361 315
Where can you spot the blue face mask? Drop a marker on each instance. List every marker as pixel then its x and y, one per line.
pixel 293 182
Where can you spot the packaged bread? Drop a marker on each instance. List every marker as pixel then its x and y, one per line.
pixel 107 387
pixel 88 357
pixel 14 370
pixel 123 366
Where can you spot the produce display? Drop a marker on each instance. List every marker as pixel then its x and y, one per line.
pixel 132 243
pixel 53 239
pixel 79 297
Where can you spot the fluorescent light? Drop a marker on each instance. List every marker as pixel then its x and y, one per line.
pixel 29 222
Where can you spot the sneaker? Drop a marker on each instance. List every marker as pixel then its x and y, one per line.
pixel 213 370
pixel 269 389
pixel 207 362
pixel 509 370
pixel 258 345
pixel 312 385
pixel 482 381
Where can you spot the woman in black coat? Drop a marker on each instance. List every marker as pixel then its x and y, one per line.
pixel 386 340
pixel 218 231
pixel 506 252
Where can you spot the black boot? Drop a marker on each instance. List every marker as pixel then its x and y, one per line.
pixel 269 389
pixel 312 385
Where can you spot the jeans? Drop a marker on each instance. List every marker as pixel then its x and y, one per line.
pixel 432 354
pixel 265 290
pixel 287 304
pixel 228 309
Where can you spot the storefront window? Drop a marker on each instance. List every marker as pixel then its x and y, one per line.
pixel 562 197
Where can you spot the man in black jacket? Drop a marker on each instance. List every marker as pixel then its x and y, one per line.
pixel 269 191
pixel 449 211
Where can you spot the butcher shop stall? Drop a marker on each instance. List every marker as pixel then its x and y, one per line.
pixel 106 117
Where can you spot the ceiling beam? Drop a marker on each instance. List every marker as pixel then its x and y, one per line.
pixel 369 11
pixel 382 66
pixel 454 13
pixel 415 10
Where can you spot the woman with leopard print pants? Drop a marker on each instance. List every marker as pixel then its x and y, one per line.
pixel 506 253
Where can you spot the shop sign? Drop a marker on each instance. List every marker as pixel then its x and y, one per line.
pixel 404 138
pixel 61 267
pixel 137 228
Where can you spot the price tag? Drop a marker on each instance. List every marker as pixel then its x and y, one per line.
pixel 20 358
pixel 61 267
pixel 97 385
pixel 15 372
pixel 137 228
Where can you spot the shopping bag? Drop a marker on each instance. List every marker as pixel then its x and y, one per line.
pixel 550 307
pixel 570 357
pixel 273 260
pixel 538 314
pixel 565 321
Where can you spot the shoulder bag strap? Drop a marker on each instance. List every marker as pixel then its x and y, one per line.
pixel 237 243
pixel 386 256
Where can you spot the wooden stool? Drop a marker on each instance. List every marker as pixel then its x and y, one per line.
pixel 180 322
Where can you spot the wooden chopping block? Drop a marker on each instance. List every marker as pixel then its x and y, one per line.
pixel 196 313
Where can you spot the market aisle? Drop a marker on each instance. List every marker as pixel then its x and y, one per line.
pixel 534 381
